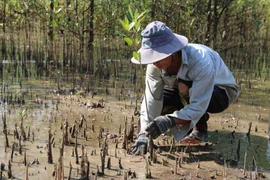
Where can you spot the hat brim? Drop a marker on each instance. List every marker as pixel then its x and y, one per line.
pixel 152 55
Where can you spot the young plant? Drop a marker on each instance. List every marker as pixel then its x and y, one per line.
pixel 132 25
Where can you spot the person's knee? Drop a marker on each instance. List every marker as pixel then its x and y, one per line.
pixel 183 89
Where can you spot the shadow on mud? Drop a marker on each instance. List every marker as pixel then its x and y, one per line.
pixel 233 148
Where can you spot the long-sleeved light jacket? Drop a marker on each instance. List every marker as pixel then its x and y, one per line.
pixel 201 65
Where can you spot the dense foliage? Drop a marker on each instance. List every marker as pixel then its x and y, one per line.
pixel 238 29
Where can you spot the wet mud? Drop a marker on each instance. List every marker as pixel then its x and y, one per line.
pixel 101 125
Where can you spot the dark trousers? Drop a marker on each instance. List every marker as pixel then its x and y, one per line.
pixel 173 101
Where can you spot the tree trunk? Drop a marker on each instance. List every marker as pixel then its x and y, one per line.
pixel 209 23
pixel 91 39
pixel 4 16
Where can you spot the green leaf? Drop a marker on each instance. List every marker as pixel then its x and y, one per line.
pixel 141 15
pixel 119 33
pixel 131 25
pixel 138 39
pixel 192 21
pixel 130 14
pixel 135 55
pixel 138 27
pixel 124 25
pixel 128 41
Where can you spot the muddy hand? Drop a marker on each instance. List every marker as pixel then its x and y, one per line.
pixel 140 146
pixel 160 125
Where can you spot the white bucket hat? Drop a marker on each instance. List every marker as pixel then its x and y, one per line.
pixel 158 42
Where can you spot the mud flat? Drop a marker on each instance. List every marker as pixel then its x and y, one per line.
pixel 79 137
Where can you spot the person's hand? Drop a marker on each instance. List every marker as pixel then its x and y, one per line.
pixel 140 146
pixel 160 125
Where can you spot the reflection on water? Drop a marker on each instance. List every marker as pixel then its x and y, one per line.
pixel 268 150
pixel 256 147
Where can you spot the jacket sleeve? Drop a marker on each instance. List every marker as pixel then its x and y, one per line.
pixel 152 103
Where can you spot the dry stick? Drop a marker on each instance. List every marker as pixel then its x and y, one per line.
pixel 100 133
pixel 60 172
pixel 115 149
pixel 12 152
pixel 33 136
pixel 26 166
pixel 224 170
pixel 24 159
pixel 238 151
pixel 248 133
pixel 61 149
pixel 125 175
pixel 182 157
pixel 147 169
pixel 84 133
pixel 255 164
pixel 93 127
pixel 245 163
pixel 88 170
pixel 5 129
pixel 28 135
pixel 154 157
pixel 22 130
pixel 97 173
pixel 187 150
pixel 2 168
pixel 26 172
pixel 120 163
pixel 176 165
pixel 54 174
pixel 120 129
pixel 66 140
pixel 151 147
pixel 124 144
pixel 102 157
pixel 83 168
pixel 73 130
pixel 233 136
pixel 50 158
pixel 20 145
pixel 249 128
pixel 9 170
pixel 76 148
pixel 131 131
pixel 16 134
pixel 109 163
pixel 70 171
pixel 172 147
pixel 256 128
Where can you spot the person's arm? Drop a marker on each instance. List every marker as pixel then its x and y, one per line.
pixel 151 106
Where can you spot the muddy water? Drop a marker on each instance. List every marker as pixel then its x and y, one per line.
pixel 49 113
pixel 230 136
pixel 45 115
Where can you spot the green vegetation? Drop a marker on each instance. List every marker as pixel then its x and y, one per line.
pixel 83 35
